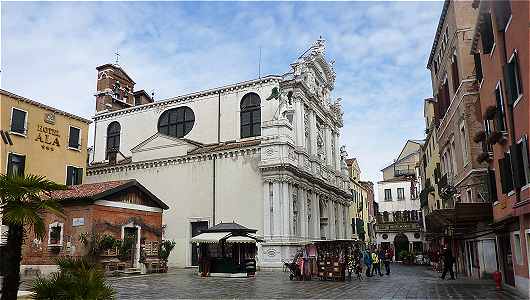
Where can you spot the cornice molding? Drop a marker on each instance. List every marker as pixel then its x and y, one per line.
pixel 188 97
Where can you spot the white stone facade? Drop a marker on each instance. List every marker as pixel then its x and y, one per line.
pixel 289 182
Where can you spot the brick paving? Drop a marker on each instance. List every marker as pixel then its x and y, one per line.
pixel 411 282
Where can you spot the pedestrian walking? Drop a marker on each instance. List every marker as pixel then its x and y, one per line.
pixel 381 254
pixel 375 264
pixel 367 257
pixel 448 260
pixel 350 266
pixel 386 261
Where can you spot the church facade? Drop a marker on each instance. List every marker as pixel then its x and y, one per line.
pixel 264 153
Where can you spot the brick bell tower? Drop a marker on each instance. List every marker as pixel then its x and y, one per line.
pixel 115 90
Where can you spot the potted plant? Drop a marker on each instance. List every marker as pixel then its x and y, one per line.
pixel 484 156
pixel 496 137
pixel 163 253
pixel 490 112
pixel 480 136
pixel 404 256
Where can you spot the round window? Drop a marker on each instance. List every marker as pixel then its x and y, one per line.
pixel 417 235
pixel 385 236
pixel 176 122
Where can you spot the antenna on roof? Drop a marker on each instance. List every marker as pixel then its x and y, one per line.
pixel 259 63
pixel 117 57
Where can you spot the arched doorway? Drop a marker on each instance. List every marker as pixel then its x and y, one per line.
pixel 401 242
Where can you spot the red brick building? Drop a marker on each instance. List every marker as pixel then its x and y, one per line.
pixel 500 45
pixel 122 209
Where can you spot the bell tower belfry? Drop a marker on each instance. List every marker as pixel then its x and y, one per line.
pixel 114 89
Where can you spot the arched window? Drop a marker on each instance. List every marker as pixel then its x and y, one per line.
pixel 176 122
pixel 113 137
pixel 250 115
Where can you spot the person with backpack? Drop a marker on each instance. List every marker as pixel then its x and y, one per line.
pixel 368 262
pixel 381 255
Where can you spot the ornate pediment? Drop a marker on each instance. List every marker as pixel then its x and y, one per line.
pixel 312 69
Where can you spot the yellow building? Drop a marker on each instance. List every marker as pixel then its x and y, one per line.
pixel 430 163
pixel 41 140
pixel 359 207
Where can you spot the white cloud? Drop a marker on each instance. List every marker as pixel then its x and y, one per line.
pixel 50 51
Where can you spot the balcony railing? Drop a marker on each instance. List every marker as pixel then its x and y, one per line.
pixel 404 172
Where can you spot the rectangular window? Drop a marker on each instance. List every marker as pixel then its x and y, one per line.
pixel 501 117
pixel 519 160
pixel 512 78
pixel 454 72
pixel 401 193
pixel 74 175
pixel 74 138
pixel 463 142
pixel 55 234
pixel 488 128
pixel 478 66
pixel 486 34
pixel 506 174
pixel 16 164
pixel 388 195
pixel 517 247
pixel 18 121
pixel 526 158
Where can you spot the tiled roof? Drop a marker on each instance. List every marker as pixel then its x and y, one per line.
pixel 228 227
pixel 87 190
pixel 224 146
pixel 101 190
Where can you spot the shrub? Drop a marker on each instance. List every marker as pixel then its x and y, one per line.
pixel 78 278
pixel 165 249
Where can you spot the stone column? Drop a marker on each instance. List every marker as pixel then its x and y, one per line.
pixel 303 212
pixel 337 151
pixel 316 222
pixel 267 211
pixel 313 132
pixel 331 219
pixel 277 226
pixel 299 123
pixel 286 210
pixel 347 222
pixel 327 143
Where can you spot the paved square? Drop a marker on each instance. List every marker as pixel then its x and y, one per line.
pixel 416 282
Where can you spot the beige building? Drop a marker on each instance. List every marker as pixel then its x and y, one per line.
pixel 41 140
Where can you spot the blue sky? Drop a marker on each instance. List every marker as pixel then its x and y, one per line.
pixel 50 52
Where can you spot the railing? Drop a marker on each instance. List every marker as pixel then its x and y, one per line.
pixel 3 234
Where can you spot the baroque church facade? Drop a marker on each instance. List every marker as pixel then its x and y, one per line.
pixel 264 153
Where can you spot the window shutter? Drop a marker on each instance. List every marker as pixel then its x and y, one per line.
pixel 526 159
pixel 478 66
pixel 517 165
pixel 486 34
pixel 79 176
pixel 69 175
pixel 503 11
pixel 509 79
pixel 492 185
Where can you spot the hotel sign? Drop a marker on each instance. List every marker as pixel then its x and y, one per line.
pixel 48 137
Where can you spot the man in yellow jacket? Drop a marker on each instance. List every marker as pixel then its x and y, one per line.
pixel 375 263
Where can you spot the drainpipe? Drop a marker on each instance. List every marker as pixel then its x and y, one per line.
pixel 214 157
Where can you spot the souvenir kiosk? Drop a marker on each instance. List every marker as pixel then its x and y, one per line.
pixel 227 250
pixel 332 257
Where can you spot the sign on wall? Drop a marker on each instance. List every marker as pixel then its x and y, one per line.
pixel 48 137
pixel 78 222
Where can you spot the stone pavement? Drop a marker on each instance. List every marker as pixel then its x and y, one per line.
pixel 415 282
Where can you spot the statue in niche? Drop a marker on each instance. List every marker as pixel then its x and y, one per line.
pixel 343 157
pixel 309 209
pixel 321 151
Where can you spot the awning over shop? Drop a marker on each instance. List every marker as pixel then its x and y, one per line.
pixel 240 239
pixel 210 237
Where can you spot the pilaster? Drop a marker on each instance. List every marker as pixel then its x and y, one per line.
pixel 286 210
pixel 267 210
